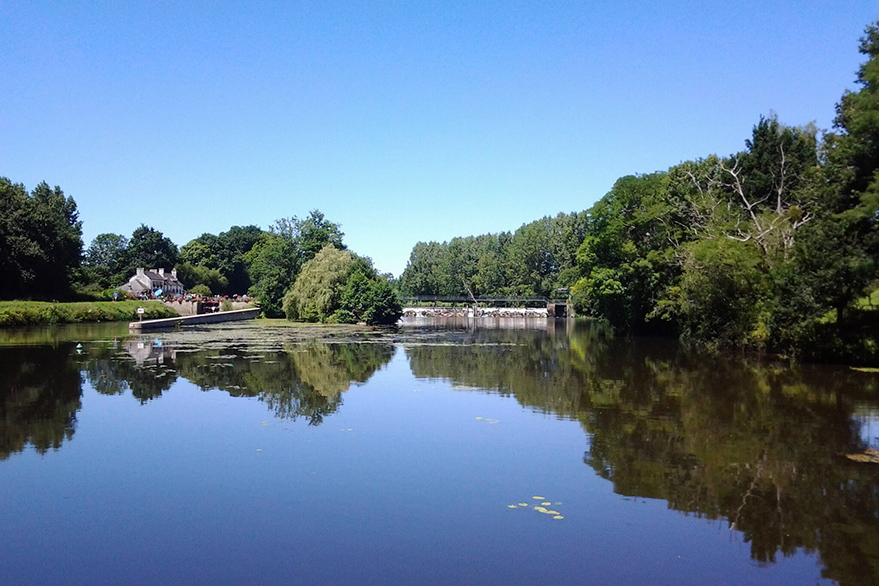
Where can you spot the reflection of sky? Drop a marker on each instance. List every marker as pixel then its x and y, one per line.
pixel 867 419
pixel 404 484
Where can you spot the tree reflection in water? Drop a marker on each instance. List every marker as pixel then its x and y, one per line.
pixel 760 444
pixel 40 390
pixel 302 381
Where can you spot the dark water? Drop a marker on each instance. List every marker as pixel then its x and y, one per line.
pixel 539 455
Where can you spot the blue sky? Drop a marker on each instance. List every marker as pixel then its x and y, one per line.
pixel 402 121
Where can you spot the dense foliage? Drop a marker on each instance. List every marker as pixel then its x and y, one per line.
pixel 533 261
pixel 276 259
pixel 217 261
pixel 339 286
pixel 112 258
pixel 40 241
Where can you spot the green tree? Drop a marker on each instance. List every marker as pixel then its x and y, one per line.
pixel 202 251
pixel 275 260
pixel 225 253
pixel 105 260
pixel 148 248
pixel 273 268
pixel 192 276
pixel 627 259
pixel 235 243
pixel 840 252
pixel 422 273
pixel 315 294
pixel 41 239
pixel 337 285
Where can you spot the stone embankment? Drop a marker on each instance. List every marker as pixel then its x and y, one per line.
pixel 191 307
pixel 205 318
pixel 527 312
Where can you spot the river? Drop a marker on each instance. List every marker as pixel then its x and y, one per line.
pixel 442 452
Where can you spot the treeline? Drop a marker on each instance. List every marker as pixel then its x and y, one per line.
pixel 534 260
pixel 771 248
pixel 43 259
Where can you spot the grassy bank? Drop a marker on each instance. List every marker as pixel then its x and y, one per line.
pixel 31 313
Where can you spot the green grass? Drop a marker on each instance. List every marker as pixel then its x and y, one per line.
pixel 29 313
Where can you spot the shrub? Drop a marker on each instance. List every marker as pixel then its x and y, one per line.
pixel 201 289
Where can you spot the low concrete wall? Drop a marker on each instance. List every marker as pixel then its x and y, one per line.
pixel 189 307
pixel 206 318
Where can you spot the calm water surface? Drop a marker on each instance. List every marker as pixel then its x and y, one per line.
pixel 435 454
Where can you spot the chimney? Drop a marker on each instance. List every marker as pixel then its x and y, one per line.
pixel 174 273
pixel 162 272
pixel 140 272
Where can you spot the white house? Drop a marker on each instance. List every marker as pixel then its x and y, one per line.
pixel 149 281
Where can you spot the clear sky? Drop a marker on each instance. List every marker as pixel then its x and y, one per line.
pixel 402 121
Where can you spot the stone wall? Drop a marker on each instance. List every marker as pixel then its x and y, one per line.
pixel 189 307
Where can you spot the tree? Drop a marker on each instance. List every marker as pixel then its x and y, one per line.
pixel 840 254
pixel 315 294
pixel 236 242
pixel 107 250
pixel 202 251
pixel 148 248
pixel 626 260
pixel 539 252
pixel 191 276
pixel 41 237
pixel 770 182
pixel 276 259
pixel 337 285
pixel 105 260
pixel 422 273
pixel 224 253
pixel 273 268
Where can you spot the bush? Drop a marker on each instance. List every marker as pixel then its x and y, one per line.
pixel 202 290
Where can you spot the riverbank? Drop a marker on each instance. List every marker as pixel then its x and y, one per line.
pixel 32 313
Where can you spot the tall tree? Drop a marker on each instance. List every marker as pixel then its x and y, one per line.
pixel 422 273
pixel 105 261
pixel 41 236
pixel 276 259
pixel 840 253
pixel 148 248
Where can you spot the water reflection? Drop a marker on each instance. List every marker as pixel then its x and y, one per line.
pixel 762 445
pixel 40 390
pixel 759 444
pixel 301 381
